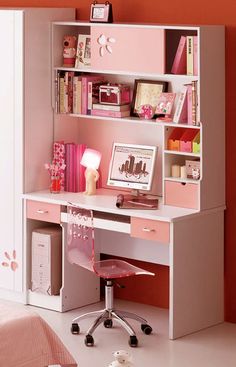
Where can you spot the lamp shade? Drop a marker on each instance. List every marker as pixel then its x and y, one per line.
pixel 91 158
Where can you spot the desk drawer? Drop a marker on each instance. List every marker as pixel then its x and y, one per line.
pixel 183 195
pixel 147 229
pixel 43 211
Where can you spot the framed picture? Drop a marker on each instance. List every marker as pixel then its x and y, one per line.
pixel 146 92
pixel 101 12
pixel 83 53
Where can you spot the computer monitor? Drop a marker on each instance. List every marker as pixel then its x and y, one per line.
pixel 132 166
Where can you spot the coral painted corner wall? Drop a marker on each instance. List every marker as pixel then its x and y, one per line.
pixel 184 12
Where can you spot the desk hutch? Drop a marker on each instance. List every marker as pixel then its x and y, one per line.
pixel 185 233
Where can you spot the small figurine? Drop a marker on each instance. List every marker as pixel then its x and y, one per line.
pixel 122 359
pixel 69 50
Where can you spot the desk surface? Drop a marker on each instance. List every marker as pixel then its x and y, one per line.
pixel 105 201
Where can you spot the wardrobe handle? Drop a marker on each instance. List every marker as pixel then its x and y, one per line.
pixel 40 211
pixel 146 229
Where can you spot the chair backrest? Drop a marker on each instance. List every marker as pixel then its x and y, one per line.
pixel 80 237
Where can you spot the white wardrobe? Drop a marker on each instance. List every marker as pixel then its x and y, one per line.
pixel 26 129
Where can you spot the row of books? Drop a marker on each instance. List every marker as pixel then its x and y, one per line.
pixel 79 94
pixel 186 57
pixel 74 171
pixel 186 107
pixel 76 93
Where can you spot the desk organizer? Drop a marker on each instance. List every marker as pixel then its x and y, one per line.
pixel 196 144
pixel 186 140
pixel 174 139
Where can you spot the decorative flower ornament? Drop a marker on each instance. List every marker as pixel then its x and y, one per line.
pixel 11 260
pixel 104 41
pixel 146 111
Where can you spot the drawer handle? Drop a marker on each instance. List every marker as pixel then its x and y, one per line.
pixel 146 229
pixel 40 211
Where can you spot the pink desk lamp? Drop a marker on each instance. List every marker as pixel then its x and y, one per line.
pixel 91 160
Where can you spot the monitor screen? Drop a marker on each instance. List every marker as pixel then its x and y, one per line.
pixel 132 166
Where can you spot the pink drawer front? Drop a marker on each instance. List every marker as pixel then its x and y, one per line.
pixel 128 49
pixel 147 229
pixel 182 195
pixel 43 211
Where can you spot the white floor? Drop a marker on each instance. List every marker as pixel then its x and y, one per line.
pixel 215 346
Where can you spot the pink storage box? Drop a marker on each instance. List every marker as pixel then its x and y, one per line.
pixel 186 140
pixel 114 94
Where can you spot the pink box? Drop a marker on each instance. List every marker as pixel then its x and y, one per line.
pixel 186 140
pixel 114 94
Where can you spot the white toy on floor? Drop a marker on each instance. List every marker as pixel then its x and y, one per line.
pixel 122 359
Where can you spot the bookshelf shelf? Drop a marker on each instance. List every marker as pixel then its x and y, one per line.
pixel 187 78
pixel 175 152
pixel 183 180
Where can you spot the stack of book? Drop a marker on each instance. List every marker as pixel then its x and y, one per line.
pixel 186 107
pixel 106 110
pixel 76 93
pixel 74 171
pixel 186 57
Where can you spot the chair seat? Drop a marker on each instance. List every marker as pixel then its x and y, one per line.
pixel 111 269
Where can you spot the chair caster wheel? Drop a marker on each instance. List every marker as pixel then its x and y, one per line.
pixel 108 323
pixel 75 328
pixel 146 329
pixel 133 341
pixel 89 341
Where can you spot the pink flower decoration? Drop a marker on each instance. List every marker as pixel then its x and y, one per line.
pixel 11 261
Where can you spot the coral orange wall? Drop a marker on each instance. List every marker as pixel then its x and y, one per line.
pixel 184 12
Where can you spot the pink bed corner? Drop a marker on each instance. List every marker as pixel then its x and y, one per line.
pixel 26 340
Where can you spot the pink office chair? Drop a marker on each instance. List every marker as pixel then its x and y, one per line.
pixel 80 251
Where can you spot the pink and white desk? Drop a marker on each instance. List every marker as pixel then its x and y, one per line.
pixel 189 242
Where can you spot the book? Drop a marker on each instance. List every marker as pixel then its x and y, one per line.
pixel 180 115
pixel 70 91
pixel 93 93
pixel 189 53
pixel 107 113
pixel 195 55
pixel 179 63
pixel 136 202
pixel 84 85
pixel 189 104
pixel 83 52
pixel 106 107
pixel 62 93
pixel 77 94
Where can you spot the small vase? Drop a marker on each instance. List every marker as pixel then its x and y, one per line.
pixel 55 186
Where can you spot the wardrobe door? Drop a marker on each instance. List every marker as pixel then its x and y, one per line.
pixel 11 68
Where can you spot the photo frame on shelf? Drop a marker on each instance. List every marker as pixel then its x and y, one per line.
pixel 101 13
pixel 146 92
pixel 83 52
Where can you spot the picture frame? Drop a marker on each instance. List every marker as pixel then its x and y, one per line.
pixel 146 92
pixel 101 13
pixel 83 52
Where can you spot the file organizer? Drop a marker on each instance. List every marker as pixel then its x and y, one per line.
pixel 186 140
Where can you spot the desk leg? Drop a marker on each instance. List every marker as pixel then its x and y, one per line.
pixel 196 273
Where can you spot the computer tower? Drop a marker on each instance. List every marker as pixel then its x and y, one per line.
pixel 46 270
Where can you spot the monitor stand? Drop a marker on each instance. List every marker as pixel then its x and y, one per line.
pixel 136 200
